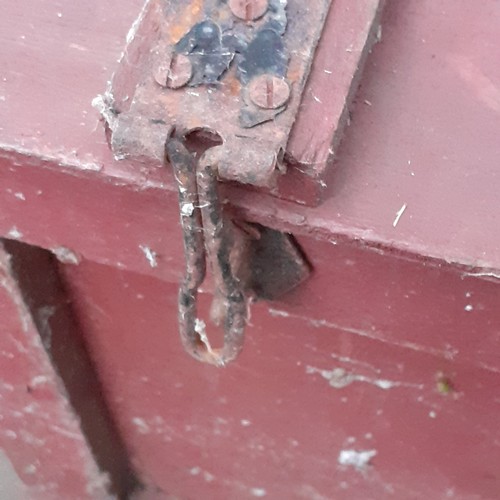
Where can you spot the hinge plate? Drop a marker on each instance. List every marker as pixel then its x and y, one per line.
pixel 222 57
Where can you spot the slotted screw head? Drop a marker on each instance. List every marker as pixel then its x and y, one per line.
pixel 249 10
pixel 269 91
pixel 174 73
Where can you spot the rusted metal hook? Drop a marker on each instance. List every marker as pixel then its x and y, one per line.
pixel 207 236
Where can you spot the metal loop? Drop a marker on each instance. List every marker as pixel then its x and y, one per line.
pixel 207 236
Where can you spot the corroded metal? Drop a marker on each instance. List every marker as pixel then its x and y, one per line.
pixel 226 55
pixel 207 236
pixel 246 261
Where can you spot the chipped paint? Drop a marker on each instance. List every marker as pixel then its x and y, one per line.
pixel 275 313
pixel 66 256
pixel 360 460
pixel 151 255
pixel 39 380
pixel 340 378
pixel 195 471
pixel 198 471
pixel 348 360
pixel 209 478
pixel 484 274
pixel 132 33
pixel 258 492
pixel 449 352
pixel 141 425
pixel 15 233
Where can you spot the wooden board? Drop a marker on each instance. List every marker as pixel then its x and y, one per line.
pixel 42 445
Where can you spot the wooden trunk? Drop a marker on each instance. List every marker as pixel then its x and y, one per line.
pixel 377 378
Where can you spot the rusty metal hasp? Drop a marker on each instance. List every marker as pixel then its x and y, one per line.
pixel 234 67
pixel 247 261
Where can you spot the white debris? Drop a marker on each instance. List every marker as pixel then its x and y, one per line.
pixel 399 215
pixel 187 209
pixel 340 378
pixel 15 233
pixel 39 380
pixel 151 255
pixel 258 492
pixel 141 425
pixel 195 471
pixel 358 459
pixel 66 256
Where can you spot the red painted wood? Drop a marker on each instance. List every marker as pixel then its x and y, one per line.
pixel 35 273
pixel 411 125
pixel 351 30
pixel 275 424
pixel 392 304
pixel 41 442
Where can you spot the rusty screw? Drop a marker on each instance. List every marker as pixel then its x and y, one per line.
pixel 269 91
pixel 174 73
pixel 249 10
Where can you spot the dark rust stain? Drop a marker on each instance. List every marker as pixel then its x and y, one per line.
pixel 220 99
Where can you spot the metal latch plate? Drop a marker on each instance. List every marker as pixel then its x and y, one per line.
pixel 278 45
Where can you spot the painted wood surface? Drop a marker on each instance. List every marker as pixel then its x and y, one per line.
pixel 41 442
pixel 379 378
pixel 424 134
pixel 311 409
